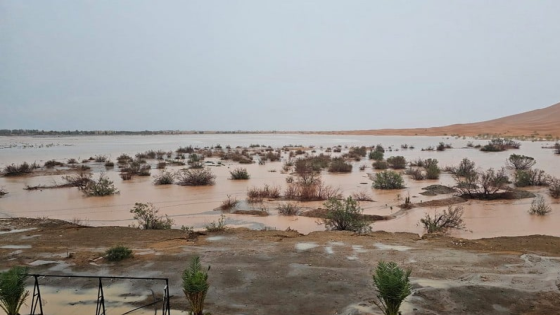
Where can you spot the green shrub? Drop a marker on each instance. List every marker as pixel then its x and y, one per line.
pixel 165 178
pixel 345 215
pixel 536 177
pixel 482 185
pixel 218 226
pixel 102 187
pixel 432 171
pixel 118 253
pixel 539 206
pixel 452 218
pixel 196 177
pixel 388 180
pixel 376 155
pixel 498 145
pixel 466 168
pixel 554 187
pixel 520 162
pixel 12 289
pixel 240 174
pixel 195 285
pixel 288 209
pixel 397 162
pixel 392 285
pixel 338 165
pixel 148 217
pixel 380 165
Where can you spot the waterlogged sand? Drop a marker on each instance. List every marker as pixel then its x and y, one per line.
pixel 277 272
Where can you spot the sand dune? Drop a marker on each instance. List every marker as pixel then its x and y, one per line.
pixel 541 122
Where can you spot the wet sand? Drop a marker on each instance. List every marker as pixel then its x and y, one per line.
pixel 277 272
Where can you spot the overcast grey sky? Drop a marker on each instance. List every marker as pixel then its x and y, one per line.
pixel 274 65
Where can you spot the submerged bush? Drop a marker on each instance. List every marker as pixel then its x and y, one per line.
pixel 482 185
pixel 531 177
pixel 255 194
pixel 520 162
pixel 21 169
pixel 465 168
pixel 196 177
pixel 102 187
pixel 80 180
pixel 392 285
pixel 380 165
pixel 388 180
pixel 217 226
pixel 12 289
pixel 165 178
pixel 539 206
pixel 452 218
pixel 118 253
pixel 240 174
pixel 288 209
pixel 195 285
pixel 229 203
pixel 376 155
pixel 148 217
pixel 53 163
pixel 397 162
pixel 338 165
pixel 345 215
pixel 498 145
pixel 554 188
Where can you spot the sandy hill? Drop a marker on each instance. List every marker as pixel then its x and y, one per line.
pixel 545 121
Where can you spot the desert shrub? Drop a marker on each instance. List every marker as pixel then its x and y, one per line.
pixel 345 215
pixel 536 177
pixel 308 187
pixel 272 157
pixel 229 203
pixel 557 148
pixel 72 161
pixel 239 174
pixel 388 180
pixel 432 170
pixel 109 164
pixel 118 253
pixel 452 218
pixel 187 150
pixel 311 164
pixel 288 209
pixel 392 285
pixel 80 180
pixel 519 162
pixel 217 226
pixel 380 165
pixel 148 217
pixel 196 177
pixel 376 155
pixel 256 194
pixel 498 145
pixel 124 158
pixel 2 192
pixel 161 165
pixel 483 184
pixel 100 158
pixel 415 173
pixel 195 285
pixel 165 178
pixel 362 196
pixel 397 162
pixel 554 187
pixel 539 206
pixel 338 165
pixel 102 187
pixel 441 146
pixel 53 163
pixel 362 167
pixel 418 162
pixel 12 289
pixel 466 168
pixel 21 169
pixel 137 168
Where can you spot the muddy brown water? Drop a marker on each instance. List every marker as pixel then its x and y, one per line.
pixel 193 206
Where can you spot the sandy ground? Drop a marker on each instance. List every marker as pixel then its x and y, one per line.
pixel 540 122
pixel 283 272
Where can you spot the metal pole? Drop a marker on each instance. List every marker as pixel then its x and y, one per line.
pixel 100 300
pixel 36 300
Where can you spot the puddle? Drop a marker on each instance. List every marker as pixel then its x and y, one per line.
pixel 358 249
pixel 351 257
pixel 42 262
pixel 329 250
pixel 399 248
pixel 17 231
pixel 305 246
pixel 336 243
pixel 436 284
pixel 15 246
pixel 215 238
pixel 26 237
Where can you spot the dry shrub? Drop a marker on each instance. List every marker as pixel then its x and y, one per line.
pixel 196 177
pixel 362 196
pixel 288 209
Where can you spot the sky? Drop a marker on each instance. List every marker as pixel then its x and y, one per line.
pixel 274 65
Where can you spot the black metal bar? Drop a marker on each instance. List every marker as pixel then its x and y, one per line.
pixel 139 307
pixel 96 277
pixel 166 303
pixel 36 300
pixel 100 299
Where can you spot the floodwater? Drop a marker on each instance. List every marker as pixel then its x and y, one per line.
pixel 194 206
